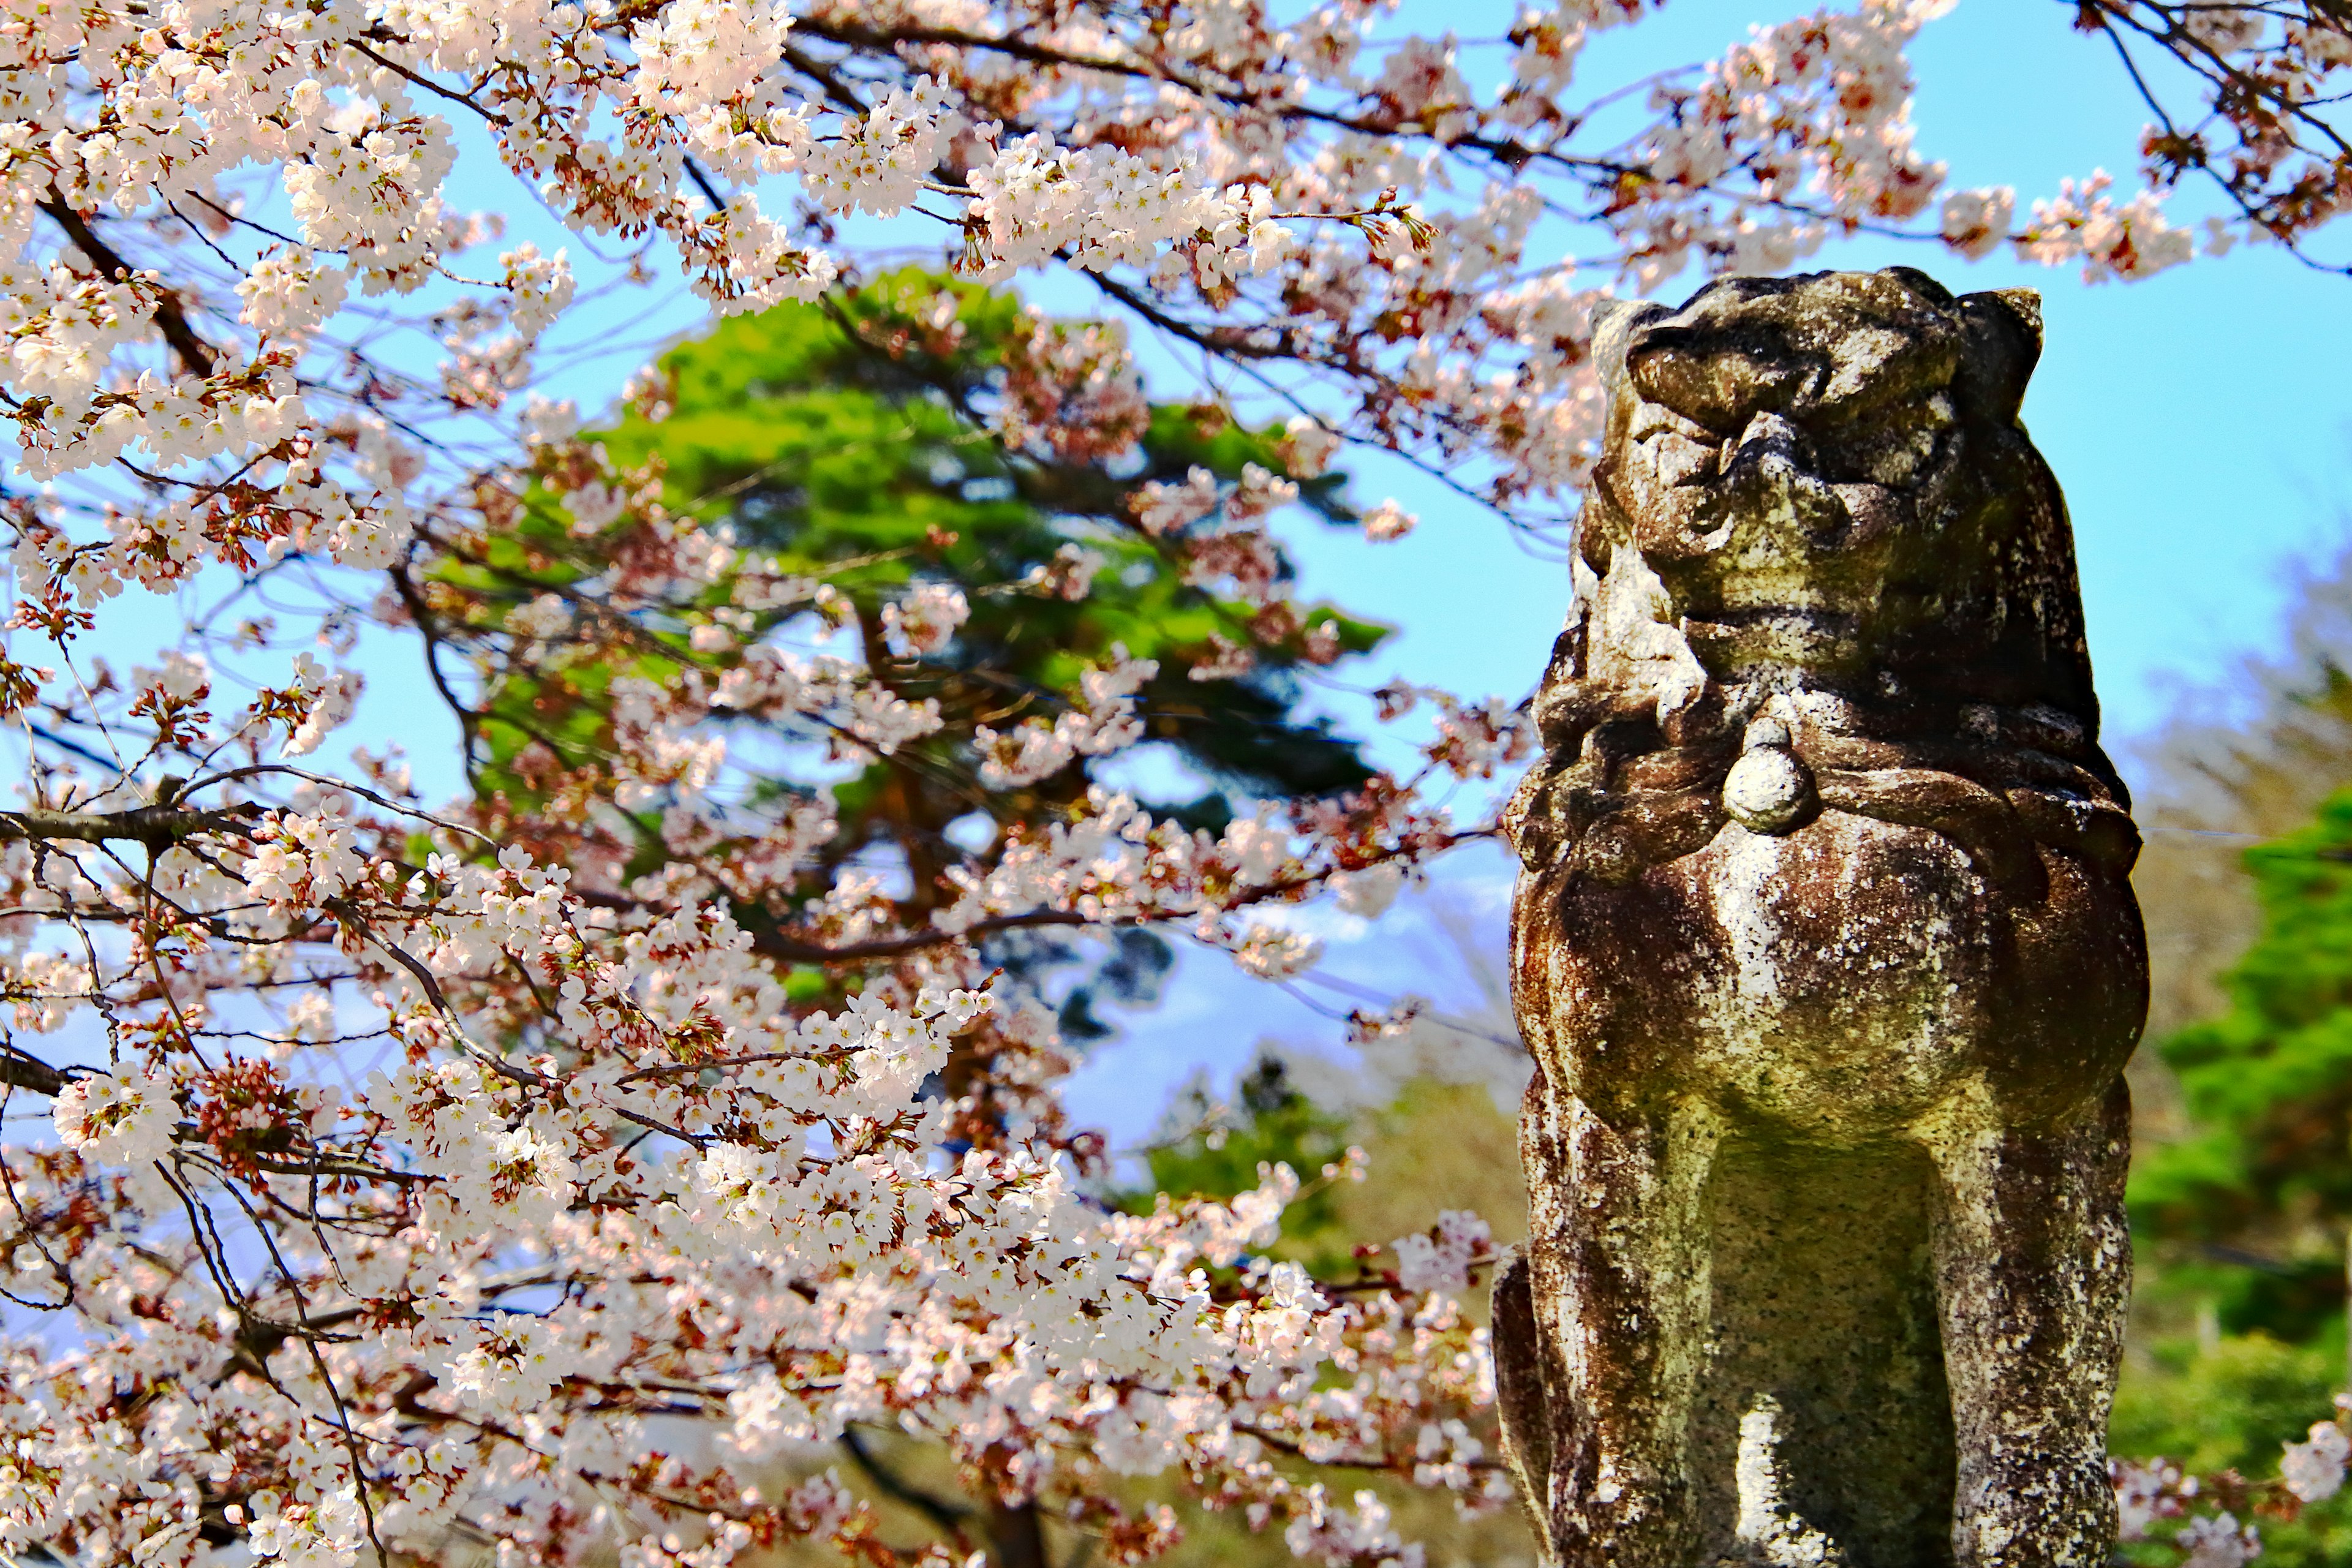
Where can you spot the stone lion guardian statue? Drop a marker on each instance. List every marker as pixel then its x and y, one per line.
pixel 1827 953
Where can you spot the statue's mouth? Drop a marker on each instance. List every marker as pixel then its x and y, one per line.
pixel 1780 546
pixel 1729 639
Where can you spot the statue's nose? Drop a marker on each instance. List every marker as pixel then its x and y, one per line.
pixel 1771 472
pixel 1772 445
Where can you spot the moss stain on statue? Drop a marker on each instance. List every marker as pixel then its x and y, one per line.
pixel 1826 951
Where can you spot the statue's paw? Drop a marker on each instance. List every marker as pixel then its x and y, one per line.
pixel 1526 823
pixel 1649 830
pixel 1542 819
pixel 2099 831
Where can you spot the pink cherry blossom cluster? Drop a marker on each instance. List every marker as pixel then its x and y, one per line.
pixel 2256 125
pixel 464 1292
pixel 417 1172
pixel 2211 1521
pixel 1246 185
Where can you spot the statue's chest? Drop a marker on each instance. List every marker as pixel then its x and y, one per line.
pixel 1852 967
pixel 1845 976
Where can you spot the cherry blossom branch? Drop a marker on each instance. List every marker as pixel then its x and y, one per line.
pixel 154 825
pixel 196 354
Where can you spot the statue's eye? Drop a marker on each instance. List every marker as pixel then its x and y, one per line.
pixel 1679 458
pixel 1676 449
pixel 1895 446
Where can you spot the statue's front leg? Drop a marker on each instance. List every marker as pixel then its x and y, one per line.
pixel 2033 1272
pixel 1616 1300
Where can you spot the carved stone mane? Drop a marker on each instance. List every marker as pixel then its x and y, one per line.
pixel 1827 953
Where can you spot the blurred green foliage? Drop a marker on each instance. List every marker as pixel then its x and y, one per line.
pixel 2240 1226
pixel 2226 1403
pixel 2267 1175
pixel 1215 1148
pixel 1435 1146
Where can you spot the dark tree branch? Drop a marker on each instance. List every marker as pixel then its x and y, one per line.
pixel 427 83
pixel 947 1514
pixel 1017 1535
pixel 18 1070
pixel 170 319
pixel 154 825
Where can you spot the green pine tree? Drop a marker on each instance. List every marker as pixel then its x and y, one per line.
pixel 2254 1207
pixel 843 440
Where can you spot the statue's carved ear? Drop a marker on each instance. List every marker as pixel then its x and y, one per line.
pixel 2004 329
pixel 2025 304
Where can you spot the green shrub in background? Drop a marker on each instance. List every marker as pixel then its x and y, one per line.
pixel 2261 1191
pixel 2240 1226
pixel 2228 1402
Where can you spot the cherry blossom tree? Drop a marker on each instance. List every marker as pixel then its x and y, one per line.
pixel 389 1174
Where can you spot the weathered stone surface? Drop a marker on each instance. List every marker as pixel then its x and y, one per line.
pixel 1826 951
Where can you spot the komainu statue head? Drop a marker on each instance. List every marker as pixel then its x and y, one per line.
pixel 1823 478
pixel 1816 508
